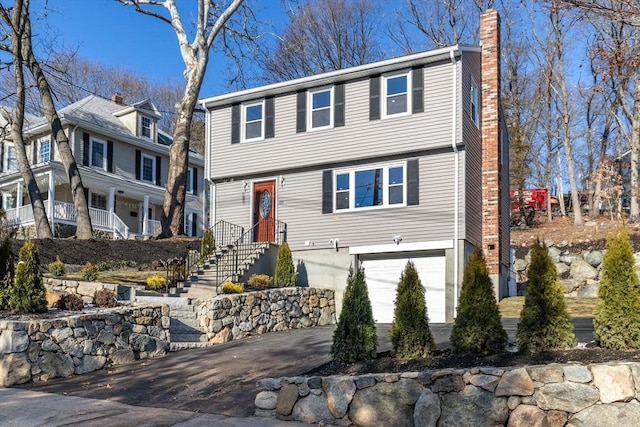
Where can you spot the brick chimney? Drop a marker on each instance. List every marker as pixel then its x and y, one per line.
pixel 491 135
pixel 117 98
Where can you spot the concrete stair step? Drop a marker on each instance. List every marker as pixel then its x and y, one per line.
pixel 177 346
pixel 180 324
pixel 193 337
pixel 172 302
pixel 183 314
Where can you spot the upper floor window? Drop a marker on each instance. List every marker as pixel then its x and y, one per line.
pixel 12 160
pixel 368 188
pixel 44 150
pixel 320 108
pixel 145 127
pixel 191 176
pixel 98 154
pixel 253 121
pixel 475 104
pixel 396 94
pixel 148 168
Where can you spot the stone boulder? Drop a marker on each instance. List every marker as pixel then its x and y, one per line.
pixel 339 393
pixel 473 407
pixel 427 409
pixel 581 271
pixel 614 414
pixel 566 396
pixel 389 404
pixel 515 383
pixel 588 291
pixel 313 409
pixel 594 258
pixel 614 382
pixel 527 416
pixel 15 368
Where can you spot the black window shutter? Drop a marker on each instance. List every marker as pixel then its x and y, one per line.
pixel 301 112
pixel 110 156
pixel 269 119
pixel 194 224
pixel 338 109
pixel 374 98
pixel 327 191
pixel 85 149
pixel 417 81
pixel 235 124
pixel 413 187
pixel 138 161
pixel 194 185
pixel 52 147
pixel 2 158
pixel 158 170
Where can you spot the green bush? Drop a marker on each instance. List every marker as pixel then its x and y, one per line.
pixel 285 270
pixel 28 294
pixel 157 282
pixel 105 298
pixel 617 314
pixel 207 245
pixel 409 332
pixel 89 272
pixel 115 264
pixel 477 328
pixel 260 281
pixel 56 268
pixel 7 271
pixel 544 321
pixel 232 288
pixel 355 336
pixel 71 302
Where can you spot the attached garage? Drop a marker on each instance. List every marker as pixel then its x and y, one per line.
pixel 383 274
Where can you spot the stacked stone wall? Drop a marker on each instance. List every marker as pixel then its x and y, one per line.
pixel 234 316
pixel 549 395
pixel 39 350
pixel 85 290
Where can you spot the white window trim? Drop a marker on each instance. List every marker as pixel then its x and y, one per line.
pixel 153 168
pixel 384 96
pixel 10 147
pixel 151 127
pixel 190 176
pixel 91 193
pixel 104 151
pixel 41 142
pixel 243 124
pixel 310 109
pixel 475 118
pixel 385 187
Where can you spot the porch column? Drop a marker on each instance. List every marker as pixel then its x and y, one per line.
pixel 18 199
pixel 145 216
pixel 112 199
pixel 51 202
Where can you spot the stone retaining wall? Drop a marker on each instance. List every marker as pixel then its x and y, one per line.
pixel 42 349
pixel 84 289
pixel 235 316
pixel 549 395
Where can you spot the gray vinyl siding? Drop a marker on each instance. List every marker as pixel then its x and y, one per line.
pixel 359 138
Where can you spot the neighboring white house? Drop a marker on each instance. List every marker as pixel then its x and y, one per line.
pixel 123 159
pixel 372 166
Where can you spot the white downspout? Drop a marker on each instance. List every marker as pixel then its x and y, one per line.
pixel 456 190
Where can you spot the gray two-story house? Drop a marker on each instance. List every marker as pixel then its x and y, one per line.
pixel 370 167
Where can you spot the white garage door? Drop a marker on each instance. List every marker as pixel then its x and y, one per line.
pixel 383 276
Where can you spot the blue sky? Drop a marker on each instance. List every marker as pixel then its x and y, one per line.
pixel 108 32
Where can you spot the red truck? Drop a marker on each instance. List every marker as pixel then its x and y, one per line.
pixel 536 198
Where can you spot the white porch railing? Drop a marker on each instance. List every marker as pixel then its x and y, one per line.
pixel 152 226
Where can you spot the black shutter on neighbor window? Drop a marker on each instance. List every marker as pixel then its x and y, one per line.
pixel 194 185
pixel 374 98
pixel 2 158
pixel 110 156
pixel 301 112
pixel 52 148
pixel 85 149
pixel 194 224
pixel 417 82
pixel 138 161
pixel 338 109
pixel 158 170
pixel 269 118
pixel 34 153
pixel 327 191
pixel 413 187
pixel 235 123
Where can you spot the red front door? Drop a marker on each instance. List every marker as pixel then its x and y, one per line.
pixel 264 211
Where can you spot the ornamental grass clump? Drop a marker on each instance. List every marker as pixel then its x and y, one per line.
pixel 544 321
pixel 56 268
pixel 7 271
pixel 409 332
pixel 477 328
pixel 285 270
pixel 232 288
pixel 617 315
pixel 28 294
pixel 260 281
pixel 355 336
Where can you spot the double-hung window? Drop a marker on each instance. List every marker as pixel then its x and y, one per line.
pixel 98 154
pixel 396 94
pixel 44 150
pixel 12 160
pixel 98 201
pixel 381 186
pixel 148 168
pixel 253 121
pixel 145 127
pixel 320 108
pixel 190 186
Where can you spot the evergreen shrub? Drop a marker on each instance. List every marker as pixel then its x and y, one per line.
pixel 477 328
pixel 207 245
pixel 56 268
pixel 28 294
pixel 7 271
pixel 544 321
pixel 285 270
pixel 89 272
pixel 355 336
pixel 617 314
pixel 409 332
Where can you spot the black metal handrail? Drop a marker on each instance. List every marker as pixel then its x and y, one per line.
pixel 226 233
pixel 183 265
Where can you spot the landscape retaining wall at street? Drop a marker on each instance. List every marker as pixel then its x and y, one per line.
pixel 550 395
pixel 37 350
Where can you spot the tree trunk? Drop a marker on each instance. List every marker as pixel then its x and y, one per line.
pixel 635 152
pixel 84 229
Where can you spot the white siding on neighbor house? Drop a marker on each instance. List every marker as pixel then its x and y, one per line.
pixel 299 204
pixel 359 138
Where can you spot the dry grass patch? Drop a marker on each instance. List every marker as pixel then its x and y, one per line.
pixel 577 307
pixel 124 277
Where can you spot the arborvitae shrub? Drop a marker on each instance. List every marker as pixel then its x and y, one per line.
pixel 28 294
pixel 285 270
pixel 409 332
pixel 355 336
pixel 71 302
pixel 7 271
pixel 207 245
pixel 617 314
pixel 478 328
pixel 105 298
pixel 56 268
pixel 544 321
